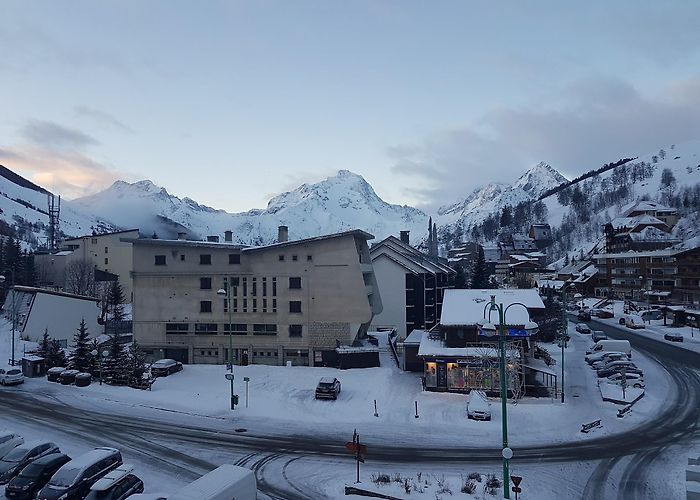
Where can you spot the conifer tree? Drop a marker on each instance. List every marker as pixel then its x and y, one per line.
pixel 80 358
pixel 44 345
pixel 116 300
pixel 56 356
pixel 480 277
pixel 136 364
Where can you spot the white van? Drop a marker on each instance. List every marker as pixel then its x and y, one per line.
pixel 223 483
pixel 611 345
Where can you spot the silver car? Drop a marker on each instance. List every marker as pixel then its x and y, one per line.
pixel 11 376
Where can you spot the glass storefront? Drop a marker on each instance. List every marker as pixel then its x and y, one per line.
pixel 468 374
pixel 431 375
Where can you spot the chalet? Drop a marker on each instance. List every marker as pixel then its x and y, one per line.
pixel 638 233
pixel 541 234
pixel 665 214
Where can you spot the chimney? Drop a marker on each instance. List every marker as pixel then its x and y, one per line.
pixel 213 239
pixel 282 234
pixel 181 236
pixel 228 236
pixel 404 237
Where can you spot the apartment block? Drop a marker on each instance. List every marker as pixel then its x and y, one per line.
pixel 290 301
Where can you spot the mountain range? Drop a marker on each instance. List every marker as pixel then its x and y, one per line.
pixel 340 202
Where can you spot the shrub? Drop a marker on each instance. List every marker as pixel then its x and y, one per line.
pixel 475 476
pixel 469 487
pixel 380 479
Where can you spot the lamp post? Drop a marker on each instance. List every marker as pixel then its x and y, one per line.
pixel 100 355
pixel 227 293
pixel 14 311
pixel 564 331
pixel 490 330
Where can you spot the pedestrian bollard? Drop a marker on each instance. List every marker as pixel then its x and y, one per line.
pixel 246 379
pixel 375 408
pixel 416 409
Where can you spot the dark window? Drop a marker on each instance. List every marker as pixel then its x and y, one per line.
pixel 160 260
pixel 309 258
pixel 234 258
pixel 235 305
pixel 106 249
pixel 205 283
pixel 245 305
pixel 264 329
pixel 281 258
pixel 294 306
pixel 295 258
pixel 206 328
pixel 255 305
pixel 274 287
pixel 236 328
pixel 255 287
pixel 205 306
pixel 182 257
pixel 264 284
pixel 295 282
pixel 176 328
pixel 205 259
pixel 274 305
pixel 295 330
pixel 225 305
pixel 264 305
pixel 245 287
pixel 106 261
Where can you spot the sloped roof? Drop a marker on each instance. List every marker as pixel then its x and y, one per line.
pixel 648 206
pixel 407 256
pixel 466 307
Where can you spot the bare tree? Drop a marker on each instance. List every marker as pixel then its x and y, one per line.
pixel 80 278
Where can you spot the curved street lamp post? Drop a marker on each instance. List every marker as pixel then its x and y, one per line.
pixel 226 292
pixel 531 328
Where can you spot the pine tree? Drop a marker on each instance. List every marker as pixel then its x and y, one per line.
pixel 480 277
pixel 506 216
pixel 44 345
pixel 116 300
pixel 116 365
pixel 460 277
pixel 56 356
pixel 136 364
pixel 80 357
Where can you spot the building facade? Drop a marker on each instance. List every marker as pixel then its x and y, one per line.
pixel 290 301
pixel 688 277
pixel 638 275
pixel 411 284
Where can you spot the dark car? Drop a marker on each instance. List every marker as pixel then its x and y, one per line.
pixel 74 479
pixel 35 476
pixel 673 337
pixel 328 388
pixel 629 368
pixel 598 335
pixel 584 316
pixel 118 484
pixel 165 367
pixel 13 463
pixel 603 314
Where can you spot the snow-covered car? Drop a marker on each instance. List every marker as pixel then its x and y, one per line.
pixel 11 376
pixel 633 321
pixel 592 358
pixel 583 328
pixel 13 463
pixel 478 406
pixel 633 379
pixel 8 442
pixel 117 484
pixel 75 478
pixel 34 476
pixel 149 496
pixel 598 335
pixel 327 388
pixel 605 360
pixel 584 316
pixel 165 367
pixel 617 367
pixel 673 337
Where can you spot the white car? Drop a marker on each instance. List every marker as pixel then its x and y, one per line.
pixel 11 376
pixel 478 406
pixel 614 356
pixel 598 356
pixel 633 379
pixel 8 442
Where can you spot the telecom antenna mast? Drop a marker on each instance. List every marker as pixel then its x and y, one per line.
pixel 54 222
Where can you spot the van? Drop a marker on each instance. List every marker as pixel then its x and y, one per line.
pixel 74 479
pixel 223 483
pixel 611 345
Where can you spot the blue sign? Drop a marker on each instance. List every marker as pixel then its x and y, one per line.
pixel 510 332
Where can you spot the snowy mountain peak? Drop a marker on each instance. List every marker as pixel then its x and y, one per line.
pixel 539 179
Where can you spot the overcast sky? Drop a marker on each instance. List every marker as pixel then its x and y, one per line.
pixel 231 102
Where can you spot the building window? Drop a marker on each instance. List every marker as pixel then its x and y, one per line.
pixel 264 329
pixel 235 305
pixel 205 259
pixel 205 283
pixel 236 328
pixel 245 287
pixel 274 305
pixel 255 305
pixel 106 261
pixel 281 258
pixel 255 287
pixel 160 260
pixel 234 258
pixel 94 241
pixel 245 305
pixel 309 258
pixel 295 258
pixel 225 305
pixel 182 257
pixel 206 328
pixel 176 328
pixel 264 286
pixel 295 330
pixel 205 306
pixel 106 249
pixel 264 309
pixel 294 306
pixel 295 282
pixel 274 287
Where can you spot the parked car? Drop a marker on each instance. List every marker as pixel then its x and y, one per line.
pixel 614 362
pixel 608 358
pixel 328 388
pixel 649 314
pixel 54 374
pixel 35 476
pixel 68 377
pixel 13 463
pixel 118 484
pixel 583 328
pixel 11 376
pixel 616 368
pixel 165 367
pixel 598 335
pixel 584 316
pixel 74 479
pixel 633 321
pixel 605 314
pixel 149 496
pixel 478 406
pixel 610 345
pixel 673 337
pixel 8 442
pixel 592 358
pixel 635 380
pixel 223 483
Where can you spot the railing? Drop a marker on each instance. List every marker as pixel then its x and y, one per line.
pixel 392 338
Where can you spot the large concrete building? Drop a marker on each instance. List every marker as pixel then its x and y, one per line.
pixel 290 301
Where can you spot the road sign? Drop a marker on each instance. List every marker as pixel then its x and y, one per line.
pixel 246 379
pixel 356 448
pixel 516 480
pixel 516 489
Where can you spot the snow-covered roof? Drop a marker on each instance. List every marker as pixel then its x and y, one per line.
pixel 346 349
pixel 409 257
pixel 666 252
pixel 35 290
pixel 554 284
pixel 652 233
pixel 535 254
pixel 648 206
pixel 467 307
pixel 587 274
pixel 632 222
pixel 414 337
pixel 433 347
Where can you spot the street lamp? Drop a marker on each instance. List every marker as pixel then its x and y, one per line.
pixel 564 330
pixel 100 355
pixel 489 330
pixel 14 311
pixel 227 293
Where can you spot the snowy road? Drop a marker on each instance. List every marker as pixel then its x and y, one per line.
pixel 289 466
